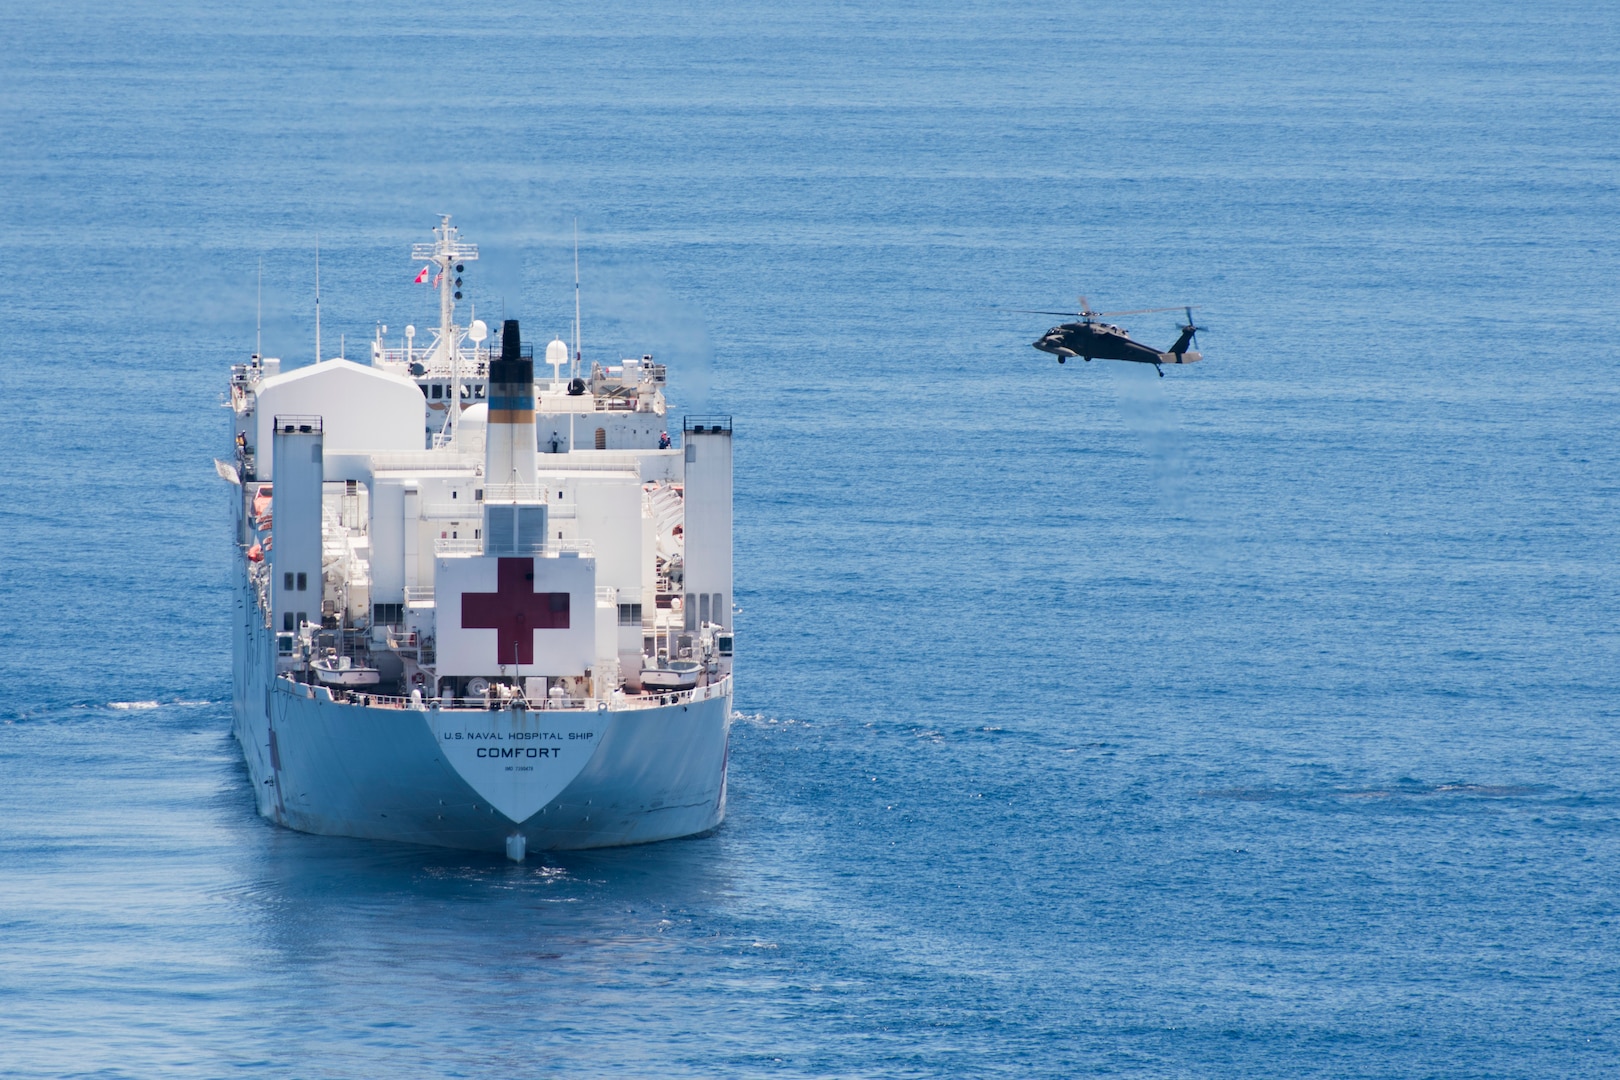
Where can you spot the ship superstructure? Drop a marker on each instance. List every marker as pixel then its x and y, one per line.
pixel 503 623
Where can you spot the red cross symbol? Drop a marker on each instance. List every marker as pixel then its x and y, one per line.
pixel 514 611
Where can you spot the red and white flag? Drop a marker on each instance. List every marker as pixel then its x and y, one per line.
pixel 423 276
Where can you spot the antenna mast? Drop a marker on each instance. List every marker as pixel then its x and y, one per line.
pixel 317 298
pixel 447 252
pixel 574 374
pixel 258 319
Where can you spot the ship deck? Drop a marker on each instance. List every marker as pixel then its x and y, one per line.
pixel 619 702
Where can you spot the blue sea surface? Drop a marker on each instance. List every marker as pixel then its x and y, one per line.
pixel 1259 720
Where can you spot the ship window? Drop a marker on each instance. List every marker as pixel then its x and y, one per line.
pixel 703 608
pixel 502 529
pixel 452 494
pixel 629 614
pixel 287 621
pixel 287 581
pixel 438 391
pixel 718 609
pixel 303 582
pixel 388 613
pixel 601 438
pixel 478 494
pixel 303 617
pixel 531 529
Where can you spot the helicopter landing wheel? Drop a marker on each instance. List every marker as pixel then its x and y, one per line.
pixel 1061 360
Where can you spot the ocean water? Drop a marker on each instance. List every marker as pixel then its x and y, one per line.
pixel 1254 721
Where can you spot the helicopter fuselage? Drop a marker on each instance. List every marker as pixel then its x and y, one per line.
pixel 1104 341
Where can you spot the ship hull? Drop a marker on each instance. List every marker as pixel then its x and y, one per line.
pixel 386 773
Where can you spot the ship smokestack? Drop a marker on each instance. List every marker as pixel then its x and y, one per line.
pixel 514 516
pixel 509 446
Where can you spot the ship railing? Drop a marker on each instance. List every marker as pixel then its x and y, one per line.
pixel 402 639
pixel 418 594
pixel 419 354
pixel 550 549
pixel 466 704
pixel 617 461
pixel 453 511
pixel 530 493
pixel 705 692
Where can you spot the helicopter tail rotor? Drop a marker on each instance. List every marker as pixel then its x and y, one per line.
pixel 1190 329
pixel 1186 344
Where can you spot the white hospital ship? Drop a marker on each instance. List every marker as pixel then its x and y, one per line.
pixel 479 606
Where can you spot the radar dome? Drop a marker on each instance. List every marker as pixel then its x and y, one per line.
pixel 557 352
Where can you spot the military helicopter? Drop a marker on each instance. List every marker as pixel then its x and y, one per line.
pixel 1092 340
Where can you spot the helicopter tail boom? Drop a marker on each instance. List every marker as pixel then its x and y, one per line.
pixel 1180 358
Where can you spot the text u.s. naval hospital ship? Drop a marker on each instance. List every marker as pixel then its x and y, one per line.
pixel 475 609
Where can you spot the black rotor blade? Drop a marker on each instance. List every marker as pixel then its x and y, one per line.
pixel 1026 311
pixel 1143 311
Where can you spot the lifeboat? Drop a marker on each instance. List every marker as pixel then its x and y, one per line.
pixel 674 675
pixel 340 671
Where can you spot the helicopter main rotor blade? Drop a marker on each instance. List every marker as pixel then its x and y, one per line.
pixel 1026 311
pixel 1144 311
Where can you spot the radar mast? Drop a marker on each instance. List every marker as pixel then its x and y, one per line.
pixel 448 252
